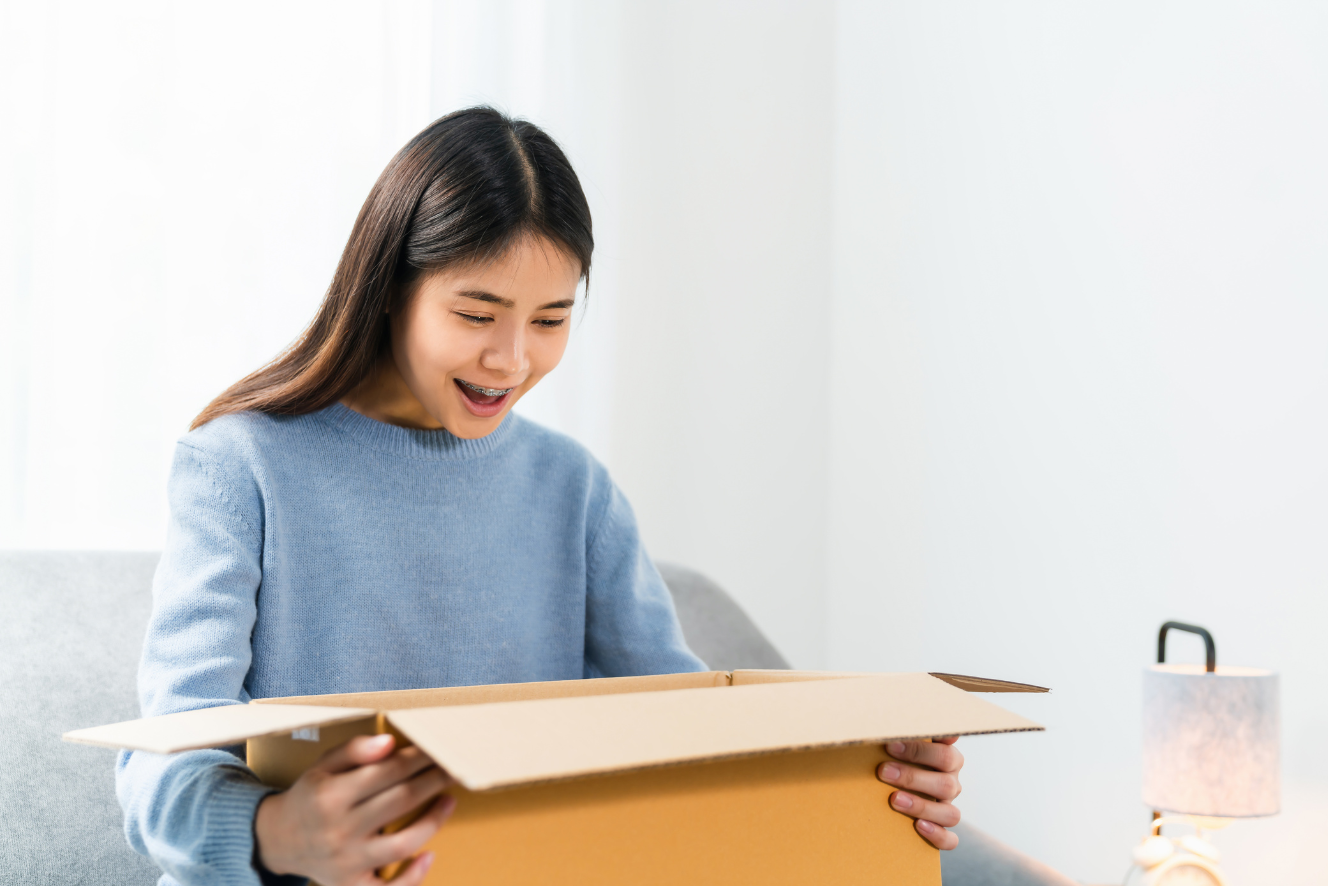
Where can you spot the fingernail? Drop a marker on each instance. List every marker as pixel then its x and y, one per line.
pixel 895 748
pixel 903 801
pixel 890 771
pixel 426 860
pixel 382 741
pixel 926 827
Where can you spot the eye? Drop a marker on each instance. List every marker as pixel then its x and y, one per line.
pixel 473 319
pixel 550 322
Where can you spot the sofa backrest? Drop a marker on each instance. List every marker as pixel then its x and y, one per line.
pixel 715 626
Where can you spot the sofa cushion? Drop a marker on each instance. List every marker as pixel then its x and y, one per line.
pixel 70 640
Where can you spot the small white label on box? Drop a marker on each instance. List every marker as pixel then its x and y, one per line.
pixel 309 733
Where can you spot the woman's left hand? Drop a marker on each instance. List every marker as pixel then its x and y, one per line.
pixel 929 773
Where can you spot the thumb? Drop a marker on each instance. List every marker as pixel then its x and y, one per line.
pixel 361 750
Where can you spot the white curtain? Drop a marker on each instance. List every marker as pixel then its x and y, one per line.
pixel 179 180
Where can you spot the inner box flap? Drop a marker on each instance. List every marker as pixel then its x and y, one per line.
pixel 394 699
pixel 506 744
pixel 212 727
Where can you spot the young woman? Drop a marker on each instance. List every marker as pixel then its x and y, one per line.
pixel 371 482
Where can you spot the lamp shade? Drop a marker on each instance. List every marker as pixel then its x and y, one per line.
pixel 1211 741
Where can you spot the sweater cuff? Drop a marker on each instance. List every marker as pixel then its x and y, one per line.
pixel 234 848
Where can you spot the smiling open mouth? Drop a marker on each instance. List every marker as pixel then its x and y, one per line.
pixel 482 401
pixel 486 392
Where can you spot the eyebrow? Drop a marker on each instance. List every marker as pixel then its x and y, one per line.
pixel 508 303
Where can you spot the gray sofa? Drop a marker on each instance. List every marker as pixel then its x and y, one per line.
pixel 70 636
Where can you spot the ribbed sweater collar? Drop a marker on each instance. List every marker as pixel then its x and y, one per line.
pixel 410 442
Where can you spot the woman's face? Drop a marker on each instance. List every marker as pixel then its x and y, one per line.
pixel 469 343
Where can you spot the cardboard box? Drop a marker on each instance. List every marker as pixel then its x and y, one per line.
pixel 712 778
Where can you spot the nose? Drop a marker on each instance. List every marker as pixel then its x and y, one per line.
pixel 505 353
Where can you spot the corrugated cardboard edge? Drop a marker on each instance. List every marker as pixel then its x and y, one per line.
pixel 984 684
pixel 749 677
pixel 212 727
pixel 634 721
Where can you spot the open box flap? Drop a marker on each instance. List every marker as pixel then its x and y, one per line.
pixel 212 727
pixel 516 743
pixel 960 681
pixel 986 684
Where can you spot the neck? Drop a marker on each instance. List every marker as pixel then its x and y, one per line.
pixel 384 396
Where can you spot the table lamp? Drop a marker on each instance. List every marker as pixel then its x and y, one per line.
pixel 1211 753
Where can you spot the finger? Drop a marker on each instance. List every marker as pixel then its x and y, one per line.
pixel 366 781
pixel 941 757
pixel 937 835
pixel 944 814
pixel 390 804
pixel 949 739
pixel 409 840
pixel 412 875
pixel 360 750
pixel 940 785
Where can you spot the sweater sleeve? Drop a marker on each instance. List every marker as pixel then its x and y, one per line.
pixel 193 813
pixel 631 626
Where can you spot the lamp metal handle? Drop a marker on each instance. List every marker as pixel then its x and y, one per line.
pixel 1210 648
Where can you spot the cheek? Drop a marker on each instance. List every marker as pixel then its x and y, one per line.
pixel 430 347
pixel 546 352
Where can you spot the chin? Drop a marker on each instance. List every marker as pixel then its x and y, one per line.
pixel 472 427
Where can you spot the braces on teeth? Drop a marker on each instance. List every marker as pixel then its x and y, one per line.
pixel 488 392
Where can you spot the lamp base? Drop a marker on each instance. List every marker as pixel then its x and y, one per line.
pixel 1185 861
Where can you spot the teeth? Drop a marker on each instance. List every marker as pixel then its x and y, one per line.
pixel 488 392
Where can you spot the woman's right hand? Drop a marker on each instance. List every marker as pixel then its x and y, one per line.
pixel 326 826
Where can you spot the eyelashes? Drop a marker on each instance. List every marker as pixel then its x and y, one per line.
pixel 542 323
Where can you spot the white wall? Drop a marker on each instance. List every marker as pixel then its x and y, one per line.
pixel 957 336
pixel 1079 355
pixel 720 408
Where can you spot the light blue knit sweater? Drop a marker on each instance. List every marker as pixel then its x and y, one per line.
pixel 333 553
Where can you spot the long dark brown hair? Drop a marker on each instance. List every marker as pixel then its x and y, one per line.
pixel 464 190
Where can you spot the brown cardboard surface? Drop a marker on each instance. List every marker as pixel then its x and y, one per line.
pixel 211 727
pixel 280 759
pixel 756 776
pixel 505 744
pixel 810 817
